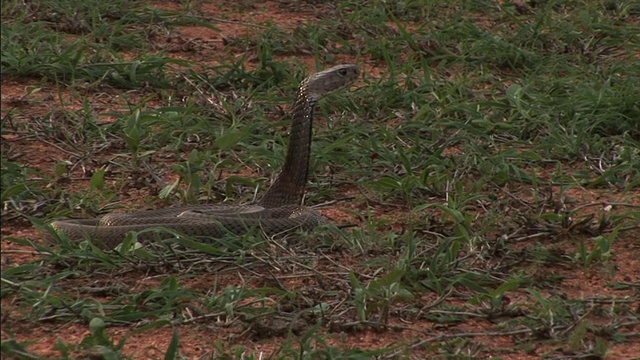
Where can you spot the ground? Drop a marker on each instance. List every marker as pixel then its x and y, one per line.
pixel 499 267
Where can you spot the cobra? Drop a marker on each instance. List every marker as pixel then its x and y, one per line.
pixel 278 211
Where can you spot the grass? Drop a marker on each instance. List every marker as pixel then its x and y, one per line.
pixel 459 156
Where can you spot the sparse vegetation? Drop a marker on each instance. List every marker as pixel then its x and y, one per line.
pixel 483 179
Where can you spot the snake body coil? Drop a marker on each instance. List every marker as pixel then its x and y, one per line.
pixel 278 211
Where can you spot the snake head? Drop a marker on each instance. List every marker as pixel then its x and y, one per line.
pixel 327 81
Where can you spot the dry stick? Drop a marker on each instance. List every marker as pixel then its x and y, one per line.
pixel 437 302
pixel 313 271
pixel 490 333
pixel 575 323
pixel 378 325
pixel 533 236
pixel 523 202
pixel 155 176
pixel 311 274
pixel 221 263
pixel 201 317
pixel 334 201
pixel 605 204
pixel 462 335
pixel 612 300
pixel 461 313
pixel 343 267
pixel 224 21
pixel 57 147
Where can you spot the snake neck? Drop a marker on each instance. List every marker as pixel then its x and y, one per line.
pixel 288 189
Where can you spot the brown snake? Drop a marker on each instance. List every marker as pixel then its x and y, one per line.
pixel 278 211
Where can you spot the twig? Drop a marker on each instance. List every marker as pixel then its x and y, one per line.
pixel 442 337
pixel 635 206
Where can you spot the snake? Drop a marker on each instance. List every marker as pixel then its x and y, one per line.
pixel 280 210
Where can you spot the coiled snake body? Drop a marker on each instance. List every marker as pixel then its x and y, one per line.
pixel 278 211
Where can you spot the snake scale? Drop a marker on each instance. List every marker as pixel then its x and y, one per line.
pixel 278 211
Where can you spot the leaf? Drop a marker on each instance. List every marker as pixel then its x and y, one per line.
pixel 168 189
pixel 11 347
pixel 13 190
pixel 96 325
pixel 514 94
pixel 200 246
pixel 355 283
pixel 386 182
pixel 392 277
pixel 232 138
pixel 97 180
pixel 128 244
pixel 174 345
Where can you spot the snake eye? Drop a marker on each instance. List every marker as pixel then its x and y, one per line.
pixel 343 72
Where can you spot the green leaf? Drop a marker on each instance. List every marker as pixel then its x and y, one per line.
pixel 15 350
pixel 97 180
pixel 514 94
pixel 232 138
pixel 174 345
pixel 13 191
pixel 392 277
pixel 97 326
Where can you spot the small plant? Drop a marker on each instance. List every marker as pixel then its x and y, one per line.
pixel 134 133
pixel 379 295
pixel 601 249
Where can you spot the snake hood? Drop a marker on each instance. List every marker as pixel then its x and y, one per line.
pixel 327 81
